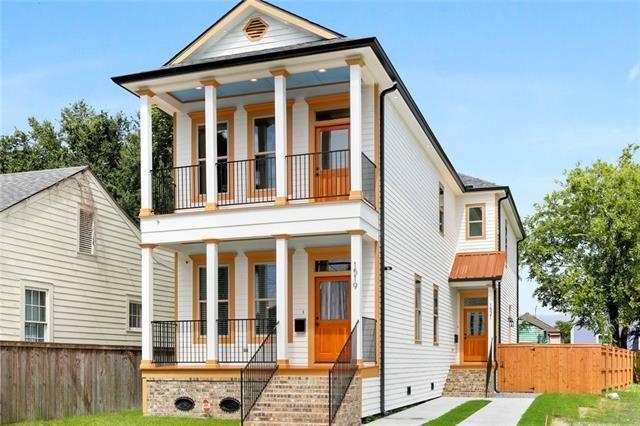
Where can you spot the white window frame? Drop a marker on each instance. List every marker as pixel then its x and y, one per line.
pixel 92 211
pixel 37 286
pixel 133 299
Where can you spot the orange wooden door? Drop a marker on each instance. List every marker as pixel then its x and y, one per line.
pixel 333 316
pixel 475 335
pixel 332 175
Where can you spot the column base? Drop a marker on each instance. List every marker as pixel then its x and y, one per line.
pixel 211 363
pixel 355 195
pixel 145 213
pixel 284 363
pixel 281 201
pixel 209 207
pixel 146 363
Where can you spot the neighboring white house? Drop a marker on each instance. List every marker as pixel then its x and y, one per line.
pixel 309 190
pixel 70 262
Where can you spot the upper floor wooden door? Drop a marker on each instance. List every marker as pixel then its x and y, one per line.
pixel 332 176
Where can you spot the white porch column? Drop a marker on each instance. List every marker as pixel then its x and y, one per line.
pixel 280 107
pixel 146 273
pixel 212 301
pixel 146 159
pixel 490 317
pixel 355 115
pixel 211 141
pixel 282 296
pixel 356 286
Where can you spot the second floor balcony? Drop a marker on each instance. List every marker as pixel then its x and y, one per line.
pixel 311 177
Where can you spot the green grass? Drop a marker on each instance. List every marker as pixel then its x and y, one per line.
pixel 458 414
pixel 134 417
pixel 577 409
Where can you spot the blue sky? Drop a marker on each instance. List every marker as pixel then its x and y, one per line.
pixel 515 92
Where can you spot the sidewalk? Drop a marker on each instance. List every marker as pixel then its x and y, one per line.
pixel 501 411
pixel 418 415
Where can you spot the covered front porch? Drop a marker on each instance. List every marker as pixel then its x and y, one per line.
pixel 295 300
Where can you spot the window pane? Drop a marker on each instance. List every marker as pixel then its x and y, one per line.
pixel 223 283
pixel 265 171
pixel 333 265
pixel 202 283
pixel 264 134
pixel 265 281
pixel 475 213
pixel 475 301
pixel 202 177
pixel 223 138
pixel 332 114
pixel 223 315
pixel 475 229
pixel 202 150
pixel 333 300
pixel 265 310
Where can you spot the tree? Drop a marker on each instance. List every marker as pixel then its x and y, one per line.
pixel 565 328
pixel 583 246
pixel 108 144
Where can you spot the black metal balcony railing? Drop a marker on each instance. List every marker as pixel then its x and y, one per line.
pixel 257 374
pixel 249 181
pixel 319 175
pixel 239 338
pixel 369 341
pixel 368 180
pixel 178 342
pixel 342 372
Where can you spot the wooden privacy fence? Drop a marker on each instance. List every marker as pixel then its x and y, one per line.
pixel 52 380
pixel 563 368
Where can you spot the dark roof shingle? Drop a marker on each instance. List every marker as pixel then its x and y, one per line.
pixel 16 187
pixel 535 321
pixel 474 182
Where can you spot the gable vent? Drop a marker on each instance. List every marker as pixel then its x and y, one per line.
pixel 255 29
pixel 85 232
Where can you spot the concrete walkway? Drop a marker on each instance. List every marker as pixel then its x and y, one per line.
pixel 503 411
pixel 421 413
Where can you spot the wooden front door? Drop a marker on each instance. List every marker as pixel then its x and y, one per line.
pixel 333 316
pixel 332 176
pixel 475 334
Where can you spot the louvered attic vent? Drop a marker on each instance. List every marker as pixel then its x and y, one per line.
pixel 255 29
pixel 85 232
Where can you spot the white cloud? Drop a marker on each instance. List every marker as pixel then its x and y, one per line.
pixel 634 72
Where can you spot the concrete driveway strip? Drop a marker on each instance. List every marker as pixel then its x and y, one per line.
pixel 421 413
pixel 501 411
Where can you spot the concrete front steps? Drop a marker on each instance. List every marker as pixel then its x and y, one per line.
pixel 468 381
pixel 304 400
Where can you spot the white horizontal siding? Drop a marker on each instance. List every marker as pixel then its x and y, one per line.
pixel 38 244
pixel 488 243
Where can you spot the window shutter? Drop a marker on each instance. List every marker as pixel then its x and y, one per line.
pixel 86 232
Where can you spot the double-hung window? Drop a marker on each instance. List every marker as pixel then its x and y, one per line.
pixel 264 151
pixel 222 155
pixel 475 221
pixel 264 279
pixel 135 315
pixel 436 339
pixel 35 315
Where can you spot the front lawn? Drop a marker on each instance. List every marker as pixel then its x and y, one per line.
pixel 134 417
pixel 576 409
pixel 458 414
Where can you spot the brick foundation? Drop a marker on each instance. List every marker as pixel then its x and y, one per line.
pixel 468 382
pixel 162 394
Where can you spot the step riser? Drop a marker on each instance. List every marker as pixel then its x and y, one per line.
pixel 469 382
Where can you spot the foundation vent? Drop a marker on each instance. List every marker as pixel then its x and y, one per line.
pixel 255 29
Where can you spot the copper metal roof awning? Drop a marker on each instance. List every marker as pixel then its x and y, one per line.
pixel 478 266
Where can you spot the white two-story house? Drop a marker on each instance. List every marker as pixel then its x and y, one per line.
pixel 331 263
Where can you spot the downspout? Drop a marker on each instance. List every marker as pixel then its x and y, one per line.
pixel 497 330
pixel 381 239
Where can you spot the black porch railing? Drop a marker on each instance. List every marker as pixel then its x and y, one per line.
pixel 342 372
pixel 319 175
pixel 239 338
pixel 178 341
pixel 249 181
pixel 178 188
pixel 257 374
pixel 369 340
pixel 368 180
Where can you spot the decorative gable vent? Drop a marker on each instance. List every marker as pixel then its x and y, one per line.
pixel 85 232
pixel 255 29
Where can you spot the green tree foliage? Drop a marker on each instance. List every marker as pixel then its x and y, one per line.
pixel 583 246
pixel 565 330
pixel 108 144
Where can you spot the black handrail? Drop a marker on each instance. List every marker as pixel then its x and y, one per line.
pixel 319 175
pixel 239 337
pixel 181 341
pixel 248 181
pixel 368 180
pixel 256 375
pixel 178 188
pixel 342 372
pixel 369 341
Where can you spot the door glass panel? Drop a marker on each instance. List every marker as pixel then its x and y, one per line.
pixel 476 323
pixel 475 301
pixel 334 140
pixel 333 300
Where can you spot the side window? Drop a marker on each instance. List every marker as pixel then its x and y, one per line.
pixel 441 208
pixel 135 315
pixel 417 318
pixel 436 339
pixel 35 315
pixel 475 221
